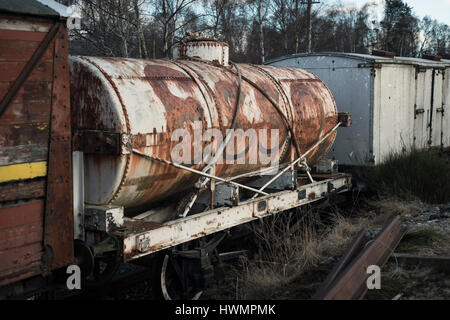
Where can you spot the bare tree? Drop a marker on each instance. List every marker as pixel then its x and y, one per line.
pixel 169 13
pixel 215 11
pixel 141 39
pixel 309 24
pixel 281 18
pixel 260 11
pixel 297 24
pixel 256 30
pixel 108 27
pixel 261 31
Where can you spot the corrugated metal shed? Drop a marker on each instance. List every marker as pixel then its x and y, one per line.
pixel 396 103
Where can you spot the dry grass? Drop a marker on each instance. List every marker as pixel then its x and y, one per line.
pixel 290 247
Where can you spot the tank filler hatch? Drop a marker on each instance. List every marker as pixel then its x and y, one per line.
pixel 202 46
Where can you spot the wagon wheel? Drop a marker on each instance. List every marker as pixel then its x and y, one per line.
pixel 184 272
pixel 104 269
pixel 172 278
pixel 84 257
pixel 175 284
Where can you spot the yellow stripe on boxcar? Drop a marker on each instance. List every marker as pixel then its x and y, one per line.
pixel 23 171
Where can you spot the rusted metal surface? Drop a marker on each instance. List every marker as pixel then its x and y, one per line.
pixel 345 119
pixel 58 220
pixel 441 263
pixel 431 57
pixel 98 142
pixel 203 47
pixel 352 251
pixel 149 99
pixel 382 53
pixel 350 283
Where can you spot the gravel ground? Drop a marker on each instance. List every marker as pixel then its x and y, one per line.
pixel 434 217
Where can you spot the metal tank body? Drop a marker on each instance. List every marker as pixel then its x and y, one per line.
pixel 149 99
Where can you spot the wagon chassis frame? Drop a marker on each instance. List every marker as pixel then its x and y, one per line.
pixel 156 237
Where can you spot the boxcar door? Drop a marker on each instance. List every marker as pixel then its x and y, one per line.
pixel 435 129
pixel 446 109
pixel 422 107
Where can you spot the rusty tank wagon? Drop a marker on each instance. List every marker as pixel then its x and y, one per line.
pixel 89 176
pixel 144 102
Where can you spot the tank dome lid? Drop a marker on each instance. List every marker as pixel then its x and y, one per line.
pixel 202 46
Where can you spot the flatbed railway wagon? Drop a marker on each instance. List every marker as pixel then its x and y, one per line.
pixel 89 169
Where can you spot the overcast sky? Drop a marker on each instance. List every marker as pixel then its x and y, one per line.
pixel 437 9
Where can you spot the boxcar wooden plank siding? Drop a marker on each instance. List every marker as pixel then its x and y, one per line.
pixel 23 35
pixel 23 143
pixel 22 153
pixel 23 134
pixel 20 256
pixel 10 70
pixel 21 273
pixel 20 263
pixel 20 50
pixel 21 214
pixel 20 25
pixel 22 235
pixel 20 190
pixel 20 240
pixel 30 87
pixel 28 110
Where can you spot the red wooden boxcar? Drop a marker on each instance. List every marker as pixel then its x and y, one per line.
pixel 36 220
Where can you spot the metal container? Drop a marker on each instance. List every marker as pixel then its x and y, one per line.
pixel 396 103
pixel 149 99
